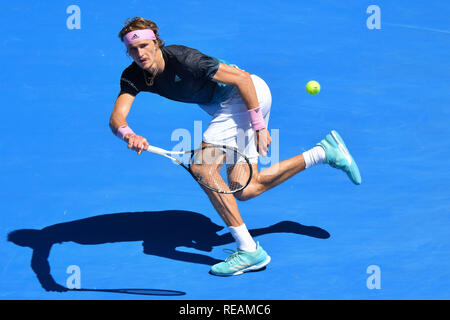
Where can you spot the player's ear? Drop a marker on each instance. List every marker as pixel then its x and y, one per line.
pixel 156 44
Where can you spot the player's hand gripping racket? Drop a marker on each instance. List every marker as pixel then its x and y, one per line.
pixel 219 168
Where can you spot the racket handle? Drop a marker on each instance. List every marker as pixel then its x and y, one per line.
pixel 156 150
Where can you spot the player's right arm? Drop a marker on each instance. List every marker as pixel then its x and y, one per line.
pixel 122 108
pixel 118 119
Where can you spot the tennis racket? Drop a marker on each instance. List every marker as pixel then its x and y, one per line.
pixel 220 168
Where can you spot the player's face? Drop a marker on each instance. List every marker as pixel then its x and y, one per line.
pixel 144 53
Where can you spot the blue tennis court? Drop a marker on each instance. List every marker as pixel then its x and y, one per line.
pixel 80 208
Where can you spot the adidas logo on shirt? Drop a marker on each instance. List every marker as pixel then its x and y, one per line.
pixel 177 78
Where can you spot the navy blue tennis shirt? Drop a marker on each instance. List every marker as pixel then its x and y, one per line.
pixel 187 77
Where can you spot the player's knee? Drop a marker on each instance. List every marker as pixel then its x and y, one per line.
pixel 198 169
pixel 242 195
pixel 251 191
pixel 202 170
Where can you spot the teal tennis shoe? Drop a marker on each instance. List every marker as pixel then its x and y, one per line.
pixel 338 156
pixel 241 261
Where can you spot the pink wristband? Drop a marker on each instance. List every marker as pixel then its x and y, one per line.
pixel 123 131
pixel 256 118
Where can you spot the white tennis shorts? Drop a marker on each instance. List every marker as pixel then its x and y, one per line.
pixel 231 125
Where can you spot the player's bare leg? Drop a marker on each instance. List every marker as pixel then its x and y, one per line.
pixel 331 150
pixel 269 177
pixel 225 204
pixel 250 255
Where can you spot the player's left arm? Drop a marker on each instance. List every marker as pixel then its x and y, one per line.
pixel 243 81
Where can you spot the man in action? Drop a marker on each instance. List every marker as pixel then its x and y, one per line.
pixel 237 102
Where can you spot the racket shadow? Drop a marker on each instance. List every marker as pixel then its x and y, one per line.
pixel 161 233
pixel 146 292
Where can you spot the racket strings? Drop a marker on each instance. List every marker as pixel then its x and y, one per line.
pixel 208 163
pixel 219 168
pixel 238 175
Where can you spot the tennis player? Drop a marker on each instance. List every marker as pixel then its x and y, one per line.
pixel 238 102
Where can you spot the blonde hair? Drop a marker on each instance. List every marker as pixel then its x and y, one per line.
pixel 139 23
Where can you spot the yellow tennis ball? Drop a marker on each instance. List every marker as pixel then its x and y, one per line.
pixel 313 87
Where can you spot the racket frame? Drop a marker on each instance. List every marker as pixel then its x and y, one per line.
pixel 167 154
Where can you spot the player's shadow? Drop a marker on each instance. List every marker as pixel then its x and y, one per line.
pixel 162 232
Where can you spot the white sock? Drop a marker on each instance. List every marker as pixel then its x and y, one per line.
pixel 243 238
pixel 314 156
